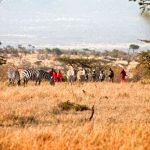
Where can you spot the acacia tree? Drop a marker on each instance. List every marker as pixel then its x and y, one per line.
pixel 79 62
pixel 134 47
pixel 145 41
pixel 144 59
pixel 143 69
pixel 56 51
pixel 144 5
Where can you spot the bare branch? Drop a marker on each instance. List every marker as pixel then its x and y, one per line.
pixel 146 41
pixel 144 5
pixel 92 114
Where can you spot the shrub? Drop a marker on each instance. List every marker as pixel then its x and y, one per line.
pixel 72 106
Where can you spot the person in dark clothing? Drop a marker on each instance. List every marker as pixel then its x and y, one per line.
pixel 111 75
pixel 51 72
pixel 122 76
pixel 86 76
pixel 94 75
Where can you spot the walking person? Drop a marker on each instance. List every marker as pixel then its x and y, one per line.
pixel 51 72
pixel 55 76
pixel 59 76
pixel 111 75
pixel 122 76
pixel 101 76
pixel 94 75
pixel 86 76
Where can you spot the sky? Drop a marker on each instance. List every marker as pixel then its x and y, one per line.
pixel 101 24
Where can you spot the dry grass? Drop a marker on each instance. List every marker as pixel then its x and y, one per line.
pixel 29 118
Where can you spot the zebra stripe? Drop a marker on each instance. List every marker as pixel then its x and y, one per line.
pixel 36 75
pixel 29 74
pixel 44 75
pixel 13 77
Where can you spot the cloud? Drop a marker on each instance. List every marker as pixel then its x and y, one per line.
pixel 44 19
pixel 68 19
pixel 58 19
pixel 18 35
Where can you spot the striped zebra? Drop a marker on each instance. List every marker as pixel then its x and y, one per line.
pixel 44 75
pixel 35 75
pixel 29 74
pixel 13 76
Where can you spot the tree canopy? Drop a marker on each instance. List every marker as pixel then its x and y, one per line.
pixel 79 62
pixel 144 5
pixel 134 46
pixel 2 60
pixel 144 59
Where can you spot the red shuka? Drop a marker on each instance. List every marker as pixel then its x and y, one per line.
pixel 51 73
pixel 55 76
pixel 59 77
pixel 122 76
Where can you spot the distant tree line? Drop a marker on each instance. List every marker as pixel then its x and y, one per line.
pixel 14 51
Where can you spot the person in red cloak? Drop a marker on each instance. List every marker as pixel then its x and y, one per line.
pixel 59 76
pixel 55 76
pixel 122 76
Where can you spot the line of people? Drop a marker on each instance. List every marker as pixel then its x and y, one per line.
pixel 57 76
pixel 111 75
pixel 122 75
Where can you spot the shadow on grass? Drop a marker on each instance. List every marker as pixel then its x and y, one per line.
pixel 19 121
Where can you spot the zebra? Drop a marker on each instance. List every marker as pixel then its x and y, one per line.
pixel 35 75
pixel 13 76
pixel 46 76
pixel 29 74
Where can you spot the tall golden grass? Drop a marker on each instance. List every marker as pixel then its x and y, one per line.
pixel 30 118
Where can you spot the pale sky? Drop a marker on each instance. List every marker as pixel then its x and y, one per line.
pixel 104 24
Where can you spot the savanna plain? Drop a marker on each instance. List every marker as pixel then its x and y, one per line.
pixel 31 119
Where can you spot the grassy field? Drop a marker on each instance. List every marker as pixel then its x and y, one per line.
pixel 30 118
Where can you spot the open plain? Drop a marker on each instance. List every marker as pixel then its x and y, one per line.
pixel 31 119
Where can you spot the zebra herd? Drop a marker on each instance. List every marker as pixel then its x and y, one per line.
pixel 16 76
